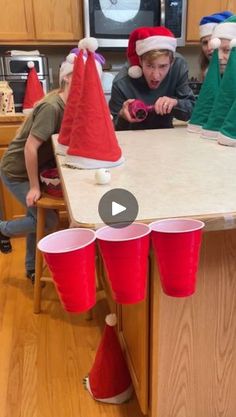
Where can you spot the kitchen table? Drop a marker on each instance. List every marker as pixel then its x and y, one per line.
pixel 181 352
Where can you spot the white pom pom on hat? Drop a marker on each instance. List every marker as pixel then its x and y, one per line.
pixel 147 39
pixel 111 319
pixel 215 43
pixel 30 64
pixel 232 43
pixel 88 43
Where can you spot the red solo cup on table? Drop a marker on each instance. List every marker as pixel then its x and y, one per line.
pixel 176 244
pixel 125 254
pixel 70 256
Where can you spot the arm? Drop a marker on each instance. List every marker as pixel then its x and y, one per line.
pixel 119 107
pixel 31 161
pixel 181 103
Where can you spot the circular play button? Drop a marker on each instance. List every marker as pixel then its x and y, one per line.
pixel 118 208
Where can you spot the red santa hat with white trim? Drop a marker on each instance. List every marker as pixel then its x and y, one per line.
pixel 33 90
pixel 93 143
pixel 109 379
pixel 147 39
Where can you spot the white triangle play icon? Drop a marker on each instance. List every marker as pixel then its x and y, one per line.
pixel 117 208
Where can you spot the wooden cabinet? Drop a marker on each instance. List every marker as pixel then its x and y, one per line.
pixel 10 207
pixel 198 9
pixel 44 21
pixel 16 20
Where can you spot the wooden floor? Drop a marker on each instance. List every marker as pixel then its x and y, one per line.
pixel 43 358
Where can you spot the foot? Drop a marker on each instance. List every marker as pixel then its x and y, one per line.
pixel 5 244
pixel 31 275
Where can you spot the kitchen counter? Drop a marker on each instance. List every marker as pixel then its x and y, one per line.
pixel 171 172
pixel 181 352
pixel 10 118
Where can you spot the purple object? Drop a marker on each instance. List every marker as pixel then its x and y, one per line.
pixel 139 110
pixel 97 56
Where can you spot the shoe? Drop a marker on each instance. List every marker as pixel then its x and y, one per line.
pixel 31 275
pixel 5 244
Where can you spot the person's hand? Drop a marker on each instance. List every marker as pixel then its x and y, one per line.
pixel 33 196
pixel 125 114
pixel 164 105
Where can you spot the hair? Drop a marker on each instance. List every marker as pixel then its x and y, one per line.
pixel 204 63
pixel 150 56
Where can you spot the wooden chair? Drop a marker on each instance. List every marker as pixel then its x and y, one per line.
pixel 45 202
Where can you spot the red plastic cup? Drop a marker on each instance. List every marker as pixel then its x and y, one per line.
pixel 177 245
pixel 125 254
pixel 70 256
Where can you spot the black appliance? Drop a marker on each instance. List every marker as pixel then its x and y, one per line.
pixel 111 21
pixel 15 71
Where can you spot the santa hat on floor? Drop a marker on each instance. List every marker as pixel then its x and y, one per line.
pixel 33 90
pixel 74 64
pixel 93 143
pixel 147 39
pixel 208 23
pixel 224 99
pixel 206 96
pixel 109 379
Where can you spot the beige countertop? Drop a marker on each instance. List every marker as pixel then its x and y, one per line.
pixel 171 172
pixel 14 117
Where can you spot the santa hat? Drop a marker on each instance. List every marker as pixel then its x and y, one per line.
pixel 224 98
pixel 147 39
pixel 227 134
pixel 206 96
pixel 208 23
pixel 93 143
pixel 77 65
pixel 109 379
pixel 33 90
pixel 226 29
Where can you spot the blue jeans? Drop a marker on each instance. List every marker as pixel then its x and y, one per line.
pixel 27 224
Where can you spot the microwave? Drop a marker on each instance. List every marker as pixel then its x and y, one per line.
pixel 16 65
pixel 111 21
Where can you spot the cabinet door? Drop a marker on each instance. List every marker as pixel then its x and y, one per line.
pixel 58 19
pixel 16 20
pixel 11 208
pixel 200 8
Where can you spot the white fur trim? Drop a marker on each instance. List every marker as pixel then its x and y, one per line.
pixel 89 163
pixel 61 149
pixel 111 319
pixel 30 64
pixel 118 399
pixel 232 43
pixel 155 42
pixel 194 128
pixel 27 111
pixel 209 134
pixel 135 71
pixel 207 29
pixel 226 30
pixel 89 43
pixel 225 140
pixel 71 58
pixel 215 43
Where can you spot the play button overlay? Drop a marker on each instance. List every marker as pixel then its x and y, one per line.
pixel 118 208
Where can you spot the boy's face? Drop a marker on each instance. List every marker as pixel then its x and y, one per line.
pixel 224 51
pixel 156 70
